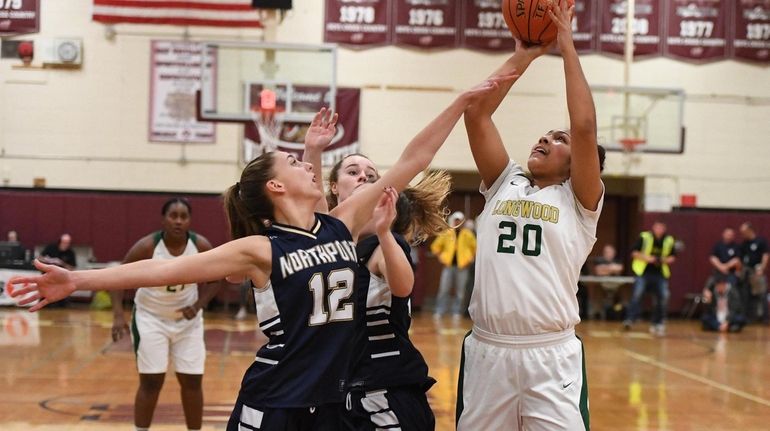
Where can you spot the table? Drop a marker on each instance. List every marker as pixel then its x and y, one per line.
pixel 610 285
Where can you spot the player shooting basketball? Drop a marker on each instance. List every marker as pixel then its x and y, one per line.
pixel 523 364
pixel 303 265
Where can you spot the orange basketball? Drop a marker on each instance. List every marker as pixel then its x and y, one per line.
pixel 528 20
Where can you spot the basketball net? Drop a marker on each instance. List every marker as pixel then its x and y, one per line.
pixel 631 145
pixel 631 151
pixel 269 121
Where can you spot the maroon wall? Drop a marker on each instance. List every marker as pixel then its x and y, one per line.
pixel 110 222
pixel 700 230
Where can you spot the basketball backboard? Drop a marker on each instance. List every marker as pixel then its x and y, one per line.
pixel 234 73
pixel 651 115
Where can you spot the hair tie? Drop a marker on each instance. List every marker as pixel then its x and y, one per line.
pixel 238 189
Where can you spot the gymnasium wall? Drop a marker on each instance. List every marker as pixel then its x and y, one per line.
pixel 87 128
pixel 111 222
pixel 108 222
pixel 699 231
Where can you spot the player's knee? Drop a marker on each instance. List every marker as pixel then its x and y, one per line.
pixel 151 382
pixel 190 382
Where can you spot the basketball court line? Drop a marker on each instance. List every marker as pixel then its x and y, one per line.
pixel 692 376
pixel 44 360
pixel 83 363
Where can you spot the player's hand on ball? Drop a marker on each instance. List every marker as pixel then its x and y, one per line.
pixel 530 52
pixel 561 14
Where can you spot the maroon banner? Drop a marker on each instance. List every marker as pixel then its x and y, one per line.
pixel 309 99
pixel 427 23
pixel 483 26
pixel 697 29
pixel 19 17
pixel 584 26
pixel 361 22
pixel 647 27
pixel 751 27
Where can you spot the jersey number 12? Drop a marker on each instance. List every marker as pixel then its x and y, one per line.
pixel 340 288
pixel 530 244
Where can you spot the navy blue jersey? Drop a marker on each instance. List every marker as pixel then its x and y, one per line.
pixel 726 252
pixel 752 251
pixel 386 357
pixel 307 311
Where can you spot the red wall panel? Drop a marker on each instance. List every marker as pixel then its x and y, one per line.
pixel 76 217
pixel 700 230
pixel 108 219
pixel 109 222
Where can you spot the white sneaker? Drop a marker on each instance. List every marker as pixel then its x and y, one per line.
pixel 659 329
pixel 241 314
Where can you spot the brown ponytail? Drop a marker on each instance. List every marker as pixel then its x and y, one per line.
pixel 421 210
pixel 247 205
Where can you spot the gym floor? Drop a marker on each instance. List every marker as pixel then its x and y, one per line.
pixel 61 371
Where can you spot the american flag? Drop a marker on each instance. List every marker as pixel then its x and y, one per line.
pixel 218 13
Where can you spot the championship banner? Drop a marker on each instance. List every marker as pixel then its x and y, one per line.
pixel 751 27
pixel 175 76
pixel 483 26
pixel 19 17
pixel 357 22
pixel 427 23
pixel 310 99
pixel 697 29
pixel 646 26
pixel 584 26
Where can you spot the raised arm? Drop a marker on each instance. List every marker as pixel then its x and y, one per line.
pixel 357 210
pixel 584 165
pixel 318 137
pixel 486 143
pixel 389 259
pixel 250 255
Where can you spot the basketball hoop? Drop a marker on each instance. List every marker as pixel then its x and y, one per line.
pixel 631 145
pixel 269 121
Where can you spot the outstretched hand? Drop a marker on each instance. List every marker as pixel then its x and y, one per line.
pixel 54 285
pixel 561 14
pixel 385 211
pixel 487 86
pixel 321 131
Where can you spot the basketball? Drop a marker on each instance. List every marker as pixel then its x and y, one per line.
pixel 528 20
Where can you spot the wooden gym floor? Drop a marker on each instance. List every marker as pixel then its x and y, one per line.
pixel 59 371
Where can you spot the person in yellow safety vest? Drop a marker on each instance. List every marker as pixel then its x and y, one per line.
pixel 652 255
pixel 456 250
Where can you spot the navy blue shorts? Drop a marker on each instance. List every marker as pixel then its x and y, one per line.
pixel 405 408
pixel 323 418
